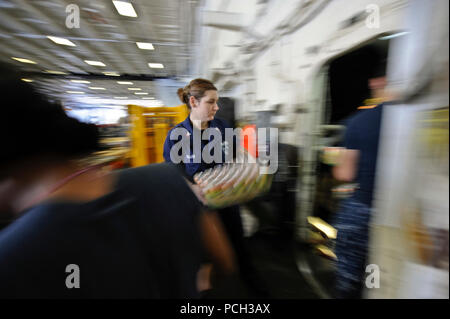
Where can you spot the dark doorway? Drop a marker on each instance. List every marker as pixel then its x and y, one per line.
pixel 348 79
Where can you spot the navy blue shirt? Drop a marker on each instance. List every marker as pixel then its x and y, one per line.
pixel 363 134
pixel 135 242
pixel 188 164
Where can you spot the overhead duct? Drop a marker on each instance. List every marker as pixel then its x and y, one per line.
pixel 223 20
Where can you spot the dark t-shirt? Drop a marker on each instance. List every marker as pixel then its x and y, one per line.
pixel 139 241
pixel 362 134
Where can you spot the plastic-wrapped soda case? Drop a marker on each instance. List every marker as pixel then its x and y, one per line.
pixel 233 183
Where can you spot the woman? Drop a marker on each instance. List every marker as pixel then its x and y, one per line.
pixel 85 233
pixel 201 97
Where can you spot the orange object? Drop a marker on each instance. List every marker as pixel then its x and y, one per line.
pixel 249 140
pixel 367 107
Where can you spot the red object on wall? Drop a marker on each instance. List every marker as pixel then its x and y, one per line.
pixel 249 140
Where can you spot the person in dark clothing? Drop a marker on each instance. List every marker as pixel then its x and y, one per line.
pixel 81 232
pixel 357 164
pixel 201 97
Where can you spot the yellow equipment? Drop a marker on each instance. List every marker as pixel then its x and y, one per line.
pixel 149 128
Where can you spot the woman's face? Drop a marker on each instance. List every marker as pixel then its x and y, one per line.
pixel 206 108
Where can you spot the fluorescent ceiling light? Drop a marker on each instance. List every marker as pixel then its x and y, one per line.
pixel 120 97
pixel 75 92
pixel 61 41
pixel 80 81
pixel 145 46
pixel 125 8
pixel 23 60
pixel 125 82
pixel 95 63
pixel 148 98
pixel 27 80
pixel 399 34
pixel 141 93
pixel 156 65
pixel 96 88
pixel 55 72
pixel 111 73
pixel 134 89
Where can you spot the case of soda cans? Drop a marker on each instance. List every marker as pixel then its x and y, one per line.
pixel 233 183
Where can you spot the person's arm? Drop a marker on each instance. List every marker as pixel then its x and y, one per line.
pixel 216 242
pixel 168 143
pixel 348 161
pixel 347 166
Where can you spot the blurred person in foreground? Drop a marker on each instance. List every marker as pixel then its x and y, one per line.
pixel 357 163
pixel 122 232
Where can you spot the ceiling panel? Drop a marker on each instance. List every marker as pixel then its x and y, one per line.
pixel 104 36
